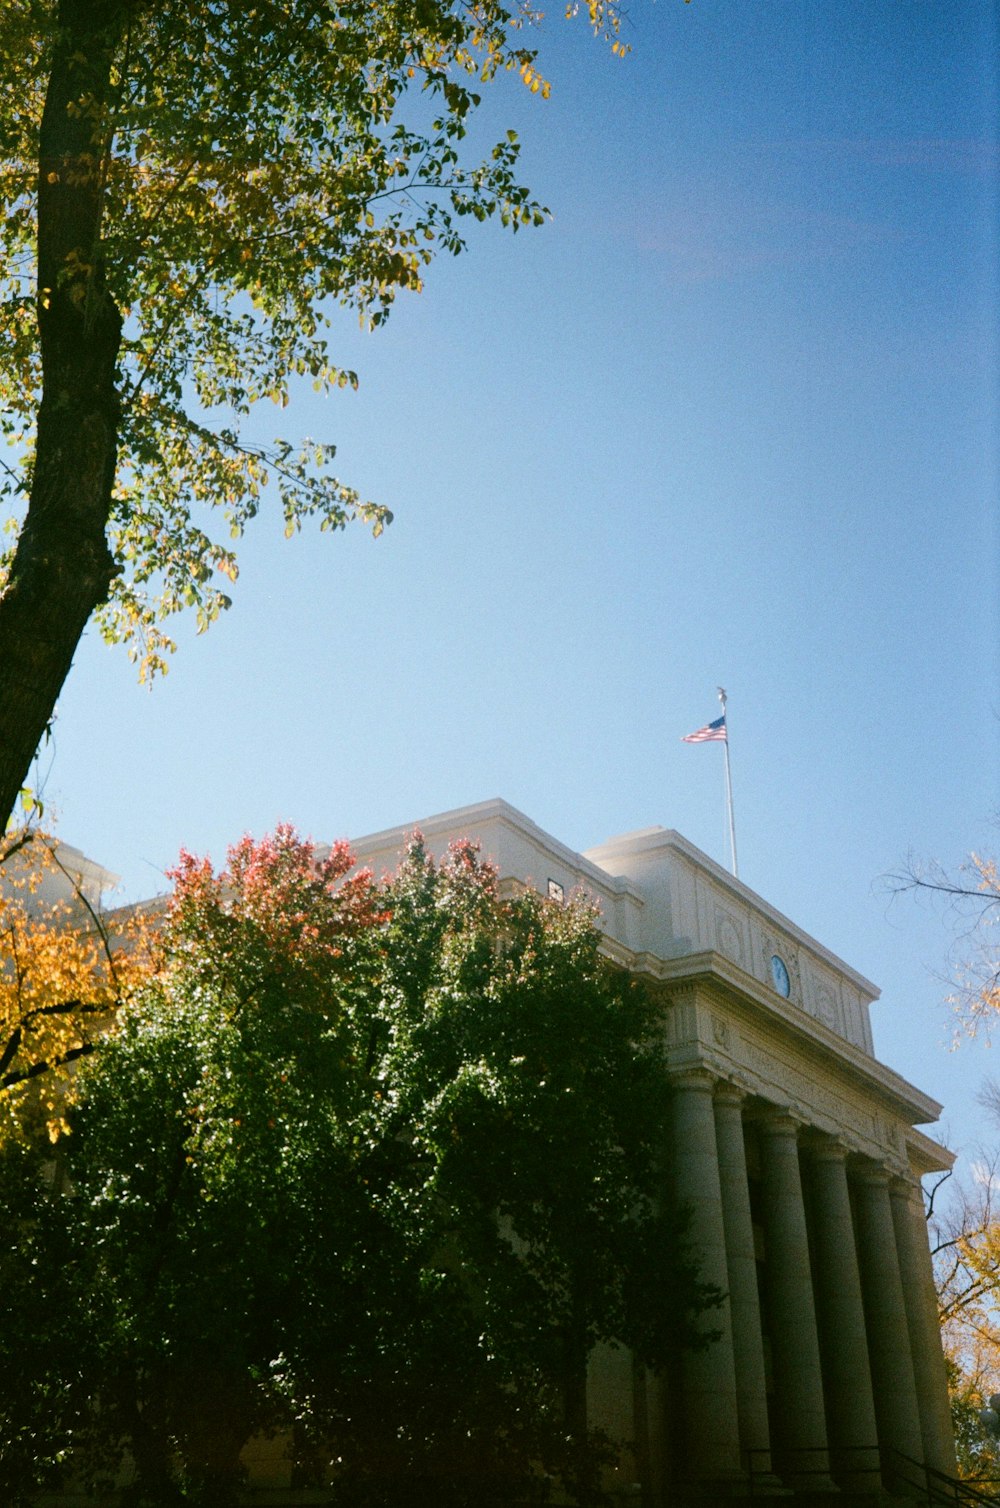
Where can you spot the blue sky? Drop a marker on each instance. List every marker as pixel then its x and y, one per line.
pixel 730 417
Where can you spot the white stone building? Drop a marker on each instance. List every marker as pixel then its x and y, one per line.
pixel 800 1159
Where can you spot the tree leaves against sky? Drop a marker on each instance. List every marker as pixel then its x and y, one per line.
pixel 256 164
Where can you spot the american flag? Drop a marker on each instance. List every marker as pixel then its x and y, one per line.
pixel 711 731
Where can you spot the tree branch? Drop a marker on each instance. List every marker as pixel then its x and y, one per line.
pixel 37 1069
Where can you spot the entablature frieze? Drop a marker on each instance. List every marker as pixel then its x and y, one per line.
pixel 707 1006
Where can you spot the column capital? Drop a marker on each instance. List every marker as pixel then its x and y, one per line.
pixel 779 1120
pixel 696 1077
pixel 728 1093
pixel 824 1148
pixel 871 1174
pixel 906 1187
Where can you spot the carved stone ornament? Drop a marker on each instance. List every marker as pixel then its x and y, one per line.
pixel 720 1032
pixel 826 1006
pixel 729 936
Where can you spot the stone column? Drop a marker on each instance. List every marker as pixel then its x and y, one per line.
pixel 800 1417
pixel 741 1267
pixel 840 1312
pixel 710 1410
pixel 917 1277
pixel 885 1317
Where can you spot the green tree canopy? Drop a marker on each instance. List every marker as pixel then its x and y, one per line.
pixel 188 188
pixel 376 1166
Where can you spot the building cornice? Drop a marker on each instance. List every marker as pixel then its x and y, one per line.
pixel 498 812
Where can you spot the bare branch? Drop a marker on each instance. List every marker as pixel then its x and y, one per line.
pixel 98 922
pixel 36 1069
pixel 934 1192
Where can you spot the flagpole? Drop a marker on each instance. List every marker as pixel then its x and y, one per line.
pixel 729 787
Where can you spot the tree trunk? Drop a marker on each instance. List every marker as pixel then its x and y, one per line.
pixel 63 568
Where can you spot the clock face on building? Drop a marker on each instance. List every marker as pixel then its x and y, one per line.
pixel 779 974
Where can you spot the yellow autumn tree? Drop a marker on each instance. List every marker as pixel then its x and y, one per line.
pixel 62 979
pixel 977 996
pixel 965 1218
pixel 969 898
pixel 965 1237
